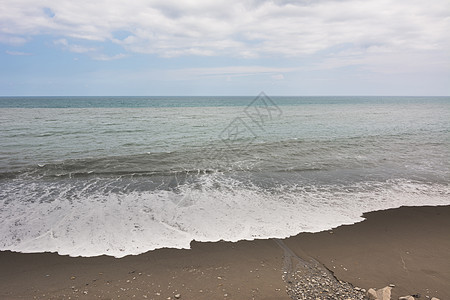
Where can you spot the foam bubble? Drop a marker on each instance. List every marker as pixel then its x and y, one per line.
pixel 82 221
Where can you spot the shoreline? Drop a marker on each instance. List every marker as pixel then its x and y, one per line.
pixel 407 246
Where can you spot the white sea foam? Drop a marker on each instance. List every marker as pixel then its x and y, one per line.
pixel 119 224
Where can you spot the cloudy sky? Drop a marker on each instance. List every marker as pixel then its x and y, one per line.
pixel 224 47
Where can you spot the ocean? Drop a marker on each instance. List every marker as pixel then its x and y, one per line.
pixel 86 176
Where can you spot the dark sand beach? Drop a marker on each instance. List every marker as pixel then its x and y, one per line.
pixel 408 247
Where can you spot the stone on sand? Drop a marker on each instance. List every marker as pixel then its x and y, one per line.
pixel 380 294
pixel 372 294
pixel 384 293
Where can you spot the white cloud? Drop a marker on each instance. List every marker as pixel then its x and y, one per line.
pixel 278 76
pixel 93 52
pixel 232 71
pixel 12 40
pixel 228 73
pixel 246 29
pixel 105 57
pixel 17 53
pixel 73 47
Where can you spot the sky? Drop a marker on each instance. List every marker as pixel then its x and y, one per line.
pixel 206 47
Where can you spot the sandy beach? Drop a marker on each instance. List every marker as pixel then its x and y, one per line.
pixel 408 247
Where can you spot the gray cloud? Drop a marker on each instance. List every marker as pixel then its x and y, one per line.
pixel 348 30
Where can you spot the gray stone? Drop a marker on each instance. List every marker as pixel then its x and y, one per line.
pixel 434 298
pixel 406 298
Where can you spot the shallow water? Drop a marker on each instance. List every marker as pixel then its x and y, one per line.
pixel 123 175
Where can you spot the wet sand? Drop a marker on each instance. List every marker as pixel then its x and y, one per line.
pixel 408 247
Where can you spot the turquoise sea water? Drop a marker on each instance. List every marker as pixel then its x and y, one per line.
pixel 124 175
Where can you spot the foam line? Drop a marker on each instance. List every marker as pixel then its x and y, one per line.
pixel 80 221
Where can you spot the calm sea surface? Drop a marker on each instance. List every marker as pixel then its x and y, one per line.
pixel 124 175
